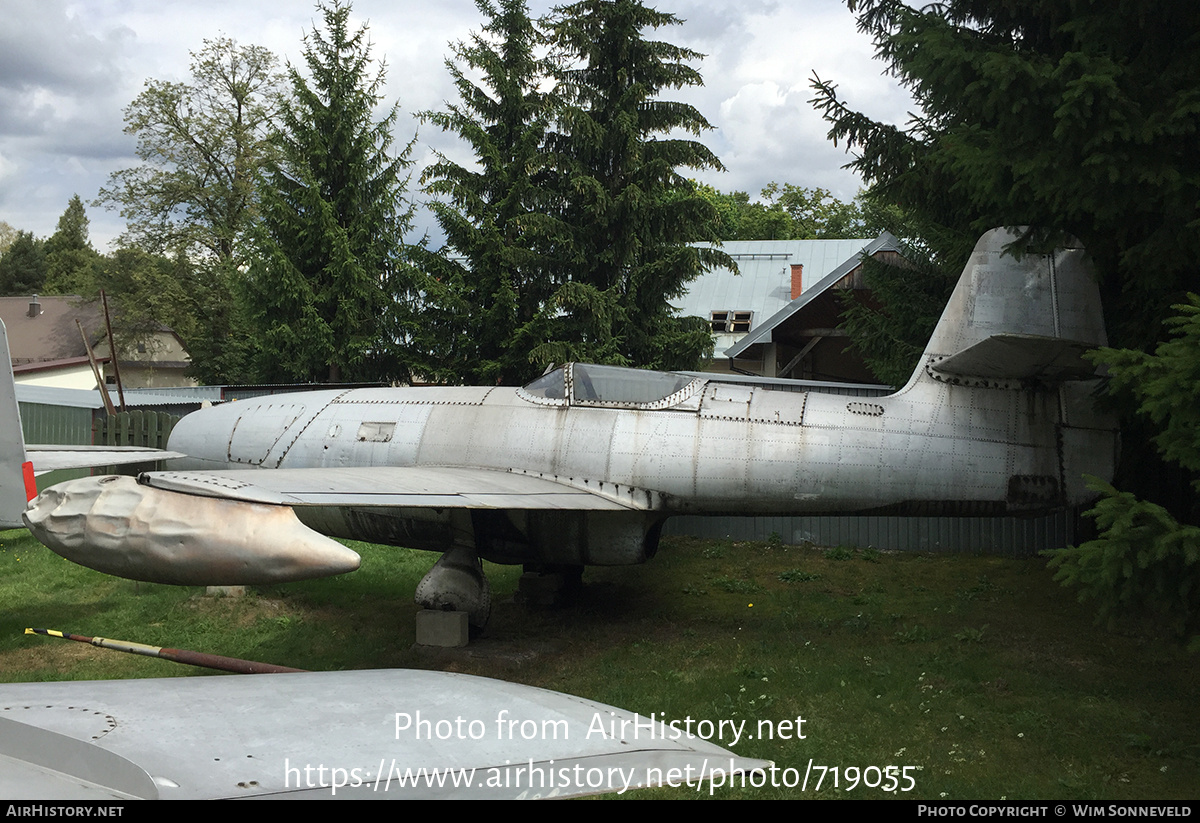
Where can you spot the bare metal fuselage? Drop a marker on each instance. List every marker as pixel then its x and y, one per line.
pixel 931 448
pixel 725 448
pixel 583 465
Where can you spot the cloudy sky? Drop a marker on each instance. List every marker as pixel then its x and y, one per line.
pixel 69 69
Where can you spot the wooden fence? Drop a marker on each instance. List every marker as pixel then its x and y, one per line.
pixel 147 429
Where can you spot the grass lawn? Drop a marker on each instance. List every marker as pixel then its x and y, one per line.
pixel 979 673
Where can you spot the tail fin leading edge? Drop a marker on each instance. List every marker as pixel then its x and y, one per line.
pixel 17 485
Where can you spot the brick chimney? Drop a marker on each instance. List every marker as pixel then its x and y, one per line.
pixel 797 279
pixel 35 308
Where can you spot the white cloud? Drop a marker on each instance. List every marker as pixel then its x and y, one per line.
pixel 68 69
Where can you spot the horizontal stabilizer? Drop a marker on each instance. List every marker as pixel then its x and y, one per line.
pixel 52 458
pixel 1020 357
pixel 1018 316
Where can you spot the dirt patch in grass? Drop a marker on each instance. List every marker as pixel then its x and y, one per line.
pixel 487 653
pixel 47 655
pixel 238 611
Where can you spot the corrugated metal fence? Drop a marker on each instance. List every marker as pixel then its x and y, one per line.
pixel 981 535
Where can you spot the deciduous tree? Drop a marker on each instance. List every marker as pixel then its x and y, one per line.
pixel 7 235
pixel 788 212
pixel 201 144
pixel 195 195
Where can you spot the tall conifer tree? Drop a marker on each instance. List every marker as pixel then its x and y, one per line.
pixel 331 293
pixel 633 214
pixel 498 216
pixel 1073 117
pixel 23 265
pixel 70 258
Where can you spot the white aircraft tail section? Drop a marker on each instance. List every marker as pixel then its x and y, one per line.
pixel 1016 317
pixel 1022 322
pixel 17 486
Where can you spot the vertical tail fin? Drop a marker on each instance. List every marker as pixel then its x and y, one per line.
pixel 16 472
pixel 1018 317
pixel 1022 323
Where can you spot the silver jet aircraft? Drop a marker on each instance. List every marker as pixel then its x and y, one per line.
pixel 583 465
pixel 362 734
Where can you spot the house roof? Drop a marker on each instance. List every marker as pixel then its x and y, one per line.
pixel 760 332
pixel 763 284
pixel 51 334
pixel 50 365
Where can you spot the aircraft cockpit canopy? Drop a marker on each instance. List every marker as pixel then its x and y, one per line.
pixel 583 384
pixel 550 386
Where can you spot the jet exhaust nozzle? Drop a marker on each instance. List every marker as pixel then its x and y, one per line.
pixel 117 526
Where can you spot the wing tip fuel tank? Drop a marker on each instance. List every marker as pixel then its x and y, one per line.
pixel 117 526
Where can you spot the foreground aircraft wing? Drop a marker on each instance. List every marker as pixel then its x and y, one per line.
pixel 51 458
pixel 411 486
pixel 396 734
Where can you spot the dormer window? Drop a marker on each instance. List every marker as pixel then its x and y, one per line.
pixel 730 322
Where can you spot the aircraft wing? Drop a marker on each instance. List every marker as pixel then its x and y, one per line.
pixel 51 458
pixel 398 734
pixel 241 527
pixel 411 486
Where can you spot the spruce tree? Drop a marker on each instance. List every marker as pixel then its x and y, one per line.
pixel 498 215
pixel 1076 117
pixel 1073 117
pixel 634 215
pixel 1146 558
pixel 331 294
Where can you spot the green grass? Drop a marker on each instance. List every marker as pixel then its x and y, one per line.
pixel 981 671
